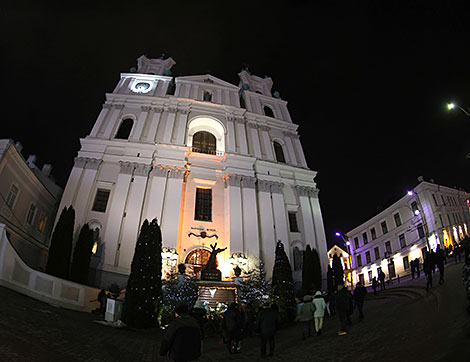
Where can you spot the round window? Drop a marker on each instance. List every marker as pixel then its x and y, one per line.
pixel 142 87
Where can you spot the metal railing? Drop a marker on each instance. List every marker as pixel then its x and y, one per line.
pixel 207 151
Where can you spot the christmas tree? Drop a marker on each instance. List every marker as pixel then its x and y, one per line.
pixel 60 249
pixel 282 283
pixel 317 278
pixel 254 289
pixel 330 280
pixel 82 256
pixel 338 272
pixel 307 271
pixel 144 283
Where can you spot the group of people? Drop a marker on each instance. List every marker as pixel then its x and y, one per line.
pixel 182 340
pixel 431 260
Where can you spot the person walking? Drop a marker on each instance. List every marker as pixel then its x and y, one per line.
pixel 182 338
pixel 427 266
pixel 440 263
pixel 412 265
pixel 342 307
pixel 382 280
pixel 374 285
pixel 267 323
pixel 233 324
pixel 359 296
pixel 320 306
pixel 305 316
pixel 417 265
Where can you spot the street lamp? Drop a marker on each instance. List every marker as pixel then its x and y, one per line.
pixel 348 246
pixel 451 106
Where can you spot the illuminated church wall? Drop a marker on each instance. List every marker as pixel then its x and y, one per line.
pixel 160 141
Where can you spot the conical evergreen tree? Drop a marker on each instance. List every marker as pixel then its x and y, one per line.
pixel 58 262
pixel 282 283
pixel 307 271
pixel 330 280
pixel 254 287
pixel 338 271
pixel 82 256
pixel 317 277
pixel 145 280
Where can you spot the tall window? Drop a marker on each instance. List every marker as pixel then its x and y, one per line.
pixel 364 237
pixel 402 240
pixel 421 232
pixel 207 96
pixel 293 222
pixel 383 224
pixel 377 253
pixel 388 246
pixel 12 196
pixel 279 152
pixel 414 207
pixel 101 200
pixel 397 219
pixel 204 142
pixel 203 210
pixel 373 233
pixel 359 260
pixel 268 111
pixel 124 129
pixel 406 263
pixel 42 222
pixel 31 213
pixel 368 257
pixel 356 243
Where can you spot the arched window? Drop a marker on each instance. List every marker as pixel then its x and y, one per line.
pixel 207 96
pixel 268 111
pixel 298 258
pixel 198 259
pixel 279 152
pixel 204 142
pixel 124 129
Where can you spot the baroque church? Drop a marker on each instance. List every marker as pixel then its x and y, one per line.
pixel 212 161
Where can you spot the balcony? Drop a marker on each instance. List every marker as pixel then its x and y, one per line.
pixel 207 151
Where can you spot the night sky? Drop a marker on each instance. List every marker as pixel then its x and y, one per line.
pixel 368 85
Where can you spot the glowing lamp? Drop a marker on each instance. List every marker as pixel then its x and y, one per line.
pixel 410 193
pixel 450 106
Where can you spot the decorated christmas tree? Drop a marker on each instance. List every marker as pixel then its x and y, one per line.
pixel 254 289
pixel 82 256
pixel 60 250
pixel 282 283
pixel 144 283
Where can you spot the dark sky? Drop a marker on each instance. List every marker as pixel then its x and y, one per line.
pixel 368 84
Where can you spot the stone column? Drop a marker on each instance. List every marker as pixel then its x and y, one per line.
pixel 84 195
pixel 139 126
pixel 132 215
pixel 280 215
pixel 156 194
pixel 320 238
pixel 180 129
pixel 305 210
pixel 290 148
pixel 170 122
pixel 195 91
pixel 111 123
pixel 266 222
pixel 101 118
pixel 241 135
pixel 231 144
pixel 253 140
pixel 116 209
pixel 250 217
pixel 219 99
pixel 234 202
pixel 152 134
pixel 299 151
pixel 171 211
pixel 266 143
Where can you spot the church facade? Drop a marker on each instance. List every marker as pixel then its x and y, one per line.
pixel 213 162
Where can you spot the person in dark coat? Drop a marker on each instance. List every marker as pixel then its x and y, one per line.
pixel 233 323
pixel 267 323
pixel 182 338
pixel 382 280
pixel 359 296
pixel 417 265
pixel 440 264
pixel 413 267
pixel 427 266
pixel 343 300
pixel 199 313
pixel 374 285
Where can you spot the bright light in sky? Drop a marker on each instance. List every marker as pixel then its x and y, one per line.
pixel 450 106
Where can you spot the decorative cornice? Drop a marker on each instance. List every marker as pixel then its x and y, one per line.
pixel 177 173
pixel 248 182
pixel 184 110
pixel 313 193
pixel 233 180
pixel 118 106
pixel 146 108
pixel 142 169
pixel 160 171
pixel 79 162
pixel 126 167
pixel 240 120
pixel 158 109
pixel 171 109
pixel 302 190
pixel 276 187
pixel 262 127
pixel 230 118
pixel 252 125
pixel 92 163
pixel 264 186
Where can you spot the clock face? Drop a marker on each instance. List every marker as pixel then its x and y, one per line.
pixel 141 87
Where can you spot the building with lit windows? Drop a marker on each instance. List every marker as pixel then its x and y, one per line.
pixel 427 217
pixel 212 161
pixel 29 198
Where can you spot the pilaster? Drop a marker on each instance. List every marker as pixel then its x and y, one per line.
pixel 139 126
pixel 172 204
pixel 99 122
pixel 111 123
pixel 180 129
pixel 152 134
pixel 241 135
pixel 170 122
pixel 266 146
pixel 235 213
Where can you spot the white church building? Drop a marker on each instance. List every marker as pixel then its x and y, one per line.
pixel 212 161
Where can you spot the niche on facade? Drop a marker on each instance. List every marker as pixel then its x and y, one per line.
pixel 209 125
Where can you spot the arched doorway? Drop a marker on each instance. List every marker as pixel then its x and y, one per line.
pixel 198 259
pixel 204 142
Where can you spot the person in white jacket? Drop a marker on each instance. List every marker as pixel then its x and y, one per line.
pixel 319 313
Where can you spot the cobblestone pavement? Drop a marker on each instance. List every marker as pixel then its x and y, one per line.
pixel 404 323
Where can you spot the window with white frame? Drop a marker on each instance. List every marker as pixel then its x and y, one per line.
pixel 12 195
pixel 31 214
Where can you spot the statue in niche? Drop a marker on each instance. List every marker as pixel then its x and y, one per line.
pixel 210 271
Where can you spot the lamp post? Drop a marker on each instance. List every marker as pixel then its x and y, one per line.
pixel 451 106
